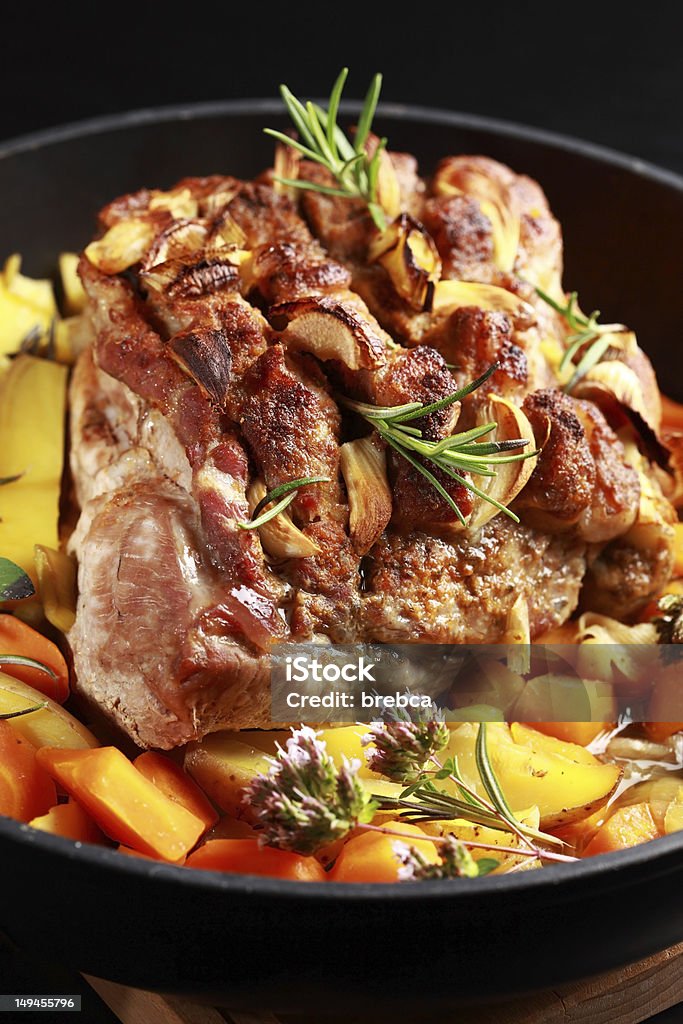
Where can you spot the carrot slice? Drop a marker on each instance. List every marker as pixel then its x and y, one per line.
pixel 71 821
pixel 176 784
pixel 247 857
pixel 629 826
pixel 26 789
pixel 371 857
pixel 125 805
pixel 17 638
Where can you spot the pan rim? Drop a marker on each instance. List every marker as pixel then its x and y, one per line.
pixel 143 116
pixel 667 849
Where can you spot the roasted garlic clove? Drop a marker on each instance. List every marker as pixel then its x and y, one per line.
pixel 410 257
pixel 451 295
pixel 511 477
pixel 279 536
pixel 364 468
pixel 124 244
pixel 332 329
pixel 285 165
pixel 205 356
pixel 495 200
pixel 204 276
pixel 179 202
pixel 180 238
pixel 614 380
pixel 518 632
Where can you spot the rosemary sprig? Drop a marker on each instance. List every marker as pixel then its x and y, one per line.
pixel 323 141
pixel 585 330
pixel 286 493
pixel 460 453
pixel 24 711
pixel 19 659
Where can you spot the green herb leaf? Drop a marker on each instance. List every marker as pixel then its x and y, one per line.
pixel 585 330
pixel 24 711
pixel 15 584
pixel 452 454
pixel 323 141
pixel 288 490
pixel 488 776
pixel 19 659
pixel 485 865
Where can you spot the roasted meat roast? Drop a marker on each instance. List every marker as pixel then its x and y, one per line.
pixel 233 321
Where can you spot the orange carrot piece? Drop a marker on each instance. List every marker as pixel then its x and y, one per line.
pixel 370 856
pixel 16 637
pixel 71 821
pixel 629 826
pixel 246 857
pixel 26 789
pixel 125 805
pixel 128 851
pixel 582 733
pixel 177 785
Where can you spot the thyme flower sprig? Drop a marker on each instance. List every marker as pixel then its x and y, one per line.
pixel 323 141
pixel 456 862
pixel 454 455
pixel 585 330
pixel 306 801
pixel 401 748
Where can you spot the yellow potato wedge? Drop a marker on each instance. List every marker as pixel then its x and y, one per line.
pixel 562 789
pixel 52 726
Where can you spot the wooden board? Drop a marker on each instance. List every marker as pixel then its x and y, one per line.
pixel 629 995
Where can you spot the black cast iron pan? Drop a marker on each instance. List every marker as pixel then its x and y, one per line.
pixel 255 942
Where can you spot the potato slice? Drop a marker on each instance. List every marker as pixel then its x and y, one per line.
pixel 467 832
pixel 562 789
pixel 224 766
pixel 541 743
pixel 52 726
pixel 74 293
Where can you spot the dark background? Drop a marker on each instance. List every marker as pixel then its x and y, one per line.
pixel 606 72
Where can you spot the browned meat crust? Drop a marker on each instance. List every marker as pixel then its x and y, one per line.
pixel 421 587
pixel 205 378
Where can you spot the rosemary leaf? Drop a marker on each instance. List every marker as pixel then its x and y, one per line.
pixel 488 776
pixel 19 659
pixel 287 493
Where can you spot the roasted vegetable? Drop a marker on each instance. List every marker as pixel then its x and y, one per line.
pixel 176 785
pixel 223 767
pixel 71 821
pixel 123 803
pixel 247 857
pixel 19 639
pixel 74 295
pixel 628 826
pixel 26 789
pixel 56 573
pixel 371 857
pixel 561 788
pixel 27 309
pixel 364 468
pixel 32 420
pixel 51 726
